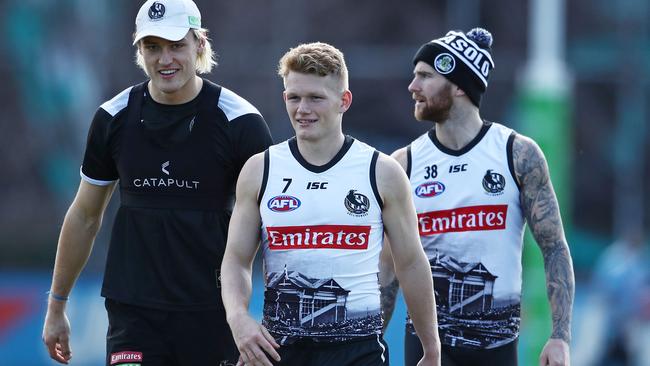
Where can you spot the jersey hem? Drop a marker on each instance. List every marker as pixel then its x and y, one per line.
pixel 163 305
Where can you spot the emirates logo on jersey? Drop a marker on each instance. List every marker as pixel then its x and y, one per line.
pixel 353 237
pixel 473 218
pixel 125 357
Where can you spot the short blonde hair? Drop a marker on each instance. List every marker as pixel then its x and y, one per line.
pixel 205 61
pixel 316 58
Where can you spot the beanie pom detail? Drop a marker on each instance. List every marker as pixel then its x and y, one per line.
pixel 482 37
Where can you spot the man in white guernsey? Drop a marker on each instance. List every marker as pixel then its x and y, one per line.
pixel 475 183
pixel 320 203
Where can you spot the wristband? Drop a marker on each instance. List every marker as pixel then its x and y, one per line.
pixel 57 297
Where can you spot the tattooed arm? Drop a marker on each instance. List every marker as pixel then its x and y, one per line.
pixel 542 213
pixel 388 283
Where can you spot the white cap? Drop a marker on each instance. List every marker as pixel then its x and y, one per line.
pixel 168 19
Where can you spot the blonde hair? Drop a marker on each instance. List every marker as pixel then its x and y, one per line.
pixel 205 60
pixel 316 58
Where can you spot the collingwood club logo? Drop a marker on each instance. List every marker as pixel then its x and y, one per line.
pixel 164 167
pixel 444 63
pixel 156 11
pixel 356 203
pixel 493 183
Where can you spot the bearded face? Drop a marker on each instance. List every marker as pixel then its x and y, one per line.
pixel 432 92
pixel 435 106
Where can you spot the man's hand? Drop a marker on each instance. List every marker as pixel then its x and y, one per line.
pixel 253 340
pixel 555 353
pixel 56 336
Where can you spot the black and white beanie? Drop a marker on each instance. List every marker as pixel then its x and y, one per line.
pixel 464 59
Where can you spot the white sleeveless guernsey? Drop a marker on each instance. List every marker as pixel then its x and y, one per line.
pixel 471 226
pixel 322 233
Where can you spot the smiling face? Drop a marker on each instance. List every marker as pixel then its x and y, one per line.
pixel 171 65
pixel 315 104
pixel 432 92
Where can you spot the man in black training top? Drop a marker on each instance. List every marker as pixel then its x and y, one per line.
pixel 176 144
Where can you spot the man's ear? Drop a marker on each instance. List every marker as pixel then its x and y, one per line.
pixel 458 92
pixel 201 46
pixel 346 101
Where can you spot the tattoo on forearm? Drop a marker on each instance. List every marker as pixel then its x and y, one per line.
pixel 388 298
pixel 560 288
pixel 542 213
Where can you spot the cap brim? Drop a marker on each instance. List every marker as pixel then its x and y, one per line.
pixel 168 33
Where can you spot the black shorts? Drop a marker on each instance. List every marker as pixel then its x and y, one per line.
pixel 369 351
pixel 151 337
pixel 462 356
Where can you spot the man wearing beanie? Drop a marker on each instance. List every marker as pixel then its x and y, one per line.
pixel 174 145
pixel 475 184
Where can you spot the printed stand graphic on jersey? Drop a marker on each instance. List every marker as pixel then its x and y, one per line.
pixel 295 304
pixel 467 309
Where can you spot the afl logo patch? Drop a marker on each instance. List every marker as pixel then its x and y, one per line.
pixel 156 11
pixel 356 203
pixel 493 183
pixel 429 189
pixel 283 203
pixel 444 63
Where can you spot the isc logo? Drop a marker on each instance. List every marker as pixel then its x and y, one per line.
pixel 283 203
pixel 429 189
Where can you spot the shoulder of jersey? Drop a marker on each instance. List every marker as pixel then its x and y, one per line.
pixel 362 146
pixel 500 127
pixel 234 106
pixel 230 103
pixel 118 102
pixel 280 145
pixel 420 142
